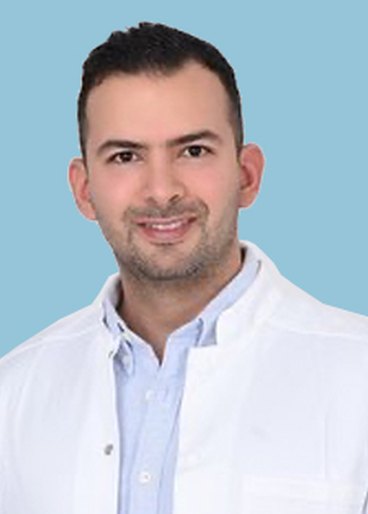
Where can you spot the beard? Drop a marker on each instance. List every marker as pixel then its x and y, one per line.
pixel 172 263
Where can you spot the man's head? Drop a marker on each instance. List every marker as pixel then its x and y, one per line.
pixel 164 171
pixel 154 49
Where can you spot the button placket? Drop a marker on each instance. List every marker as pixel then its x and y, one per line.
pixel 127 357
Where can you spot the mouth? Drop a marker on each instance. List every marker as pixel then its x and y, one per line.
pixel 166 230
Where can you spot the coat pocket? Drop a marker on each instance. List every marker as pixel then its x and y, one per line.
pixel 289 496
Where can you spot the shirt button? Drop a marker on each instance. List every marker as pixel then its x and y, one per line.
pixel 126 361
pixel 148 395
pixel 108 449
pixel 145 477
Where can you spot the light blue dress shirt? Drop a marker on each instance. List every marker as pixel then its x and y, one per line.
pixel 149 396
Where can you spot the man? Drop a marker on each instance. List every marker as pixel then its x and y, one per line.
pixel 200 380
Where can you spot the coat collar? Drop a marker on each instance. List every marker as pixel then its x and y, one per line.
pixel 256 304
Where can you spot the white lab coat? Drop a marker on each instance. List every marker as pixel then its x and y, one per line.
pixel 274 418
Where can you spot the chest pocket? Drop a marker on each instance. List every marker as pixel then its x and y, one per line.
pixel 283 496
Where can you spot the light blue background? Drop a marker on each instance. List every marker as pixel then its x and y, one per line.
pixel 302 71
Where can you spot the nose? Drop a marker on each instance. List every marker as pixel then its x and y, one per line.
pixel 162 185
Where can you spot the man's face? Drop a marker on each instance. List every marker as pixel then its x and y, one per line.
pixel 163 177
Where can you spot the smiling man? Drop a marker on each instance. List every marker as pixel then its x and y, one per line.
pixel 164 176
pixel 200 380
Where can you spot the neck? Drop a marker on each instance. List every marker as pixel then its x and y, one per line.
pixel 153 310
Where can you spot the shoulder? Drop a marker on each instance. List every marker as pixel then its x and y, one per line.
pixel 302 337
pixel 300 312
pixel 294 310
pixel 63 335
pixel 299 330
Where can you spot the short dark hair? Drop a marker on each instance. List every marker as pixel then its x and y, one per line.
pixel 154 48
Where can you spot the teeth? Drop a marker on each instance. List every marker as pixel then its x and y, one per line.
pixel 166 226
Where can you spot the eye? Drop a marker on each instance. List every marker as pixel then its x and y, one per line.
pixel 195 151
pixel 124 157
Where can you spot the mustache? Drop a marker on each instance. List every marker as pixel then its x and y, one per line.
pixel 197 208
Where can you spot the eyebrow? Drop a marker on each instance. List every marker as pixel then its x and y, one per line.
pixel 119 143
pixel 177 141
pixel 194 136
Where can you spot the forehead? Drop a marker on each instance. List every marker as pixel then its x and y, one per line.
pixel 155 106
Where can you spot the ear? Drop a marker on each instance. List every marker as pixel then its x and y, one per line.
pixel 251 162
pixel 79 184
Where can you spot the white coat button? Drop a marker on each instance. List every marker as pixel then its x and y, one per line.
pixel 145 477
pixel 108 449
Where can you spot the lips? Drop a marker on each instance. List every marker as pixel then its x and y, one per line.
pixel 168 230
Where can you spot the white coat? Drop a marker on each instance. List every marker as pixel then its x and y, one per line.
pixel 274 418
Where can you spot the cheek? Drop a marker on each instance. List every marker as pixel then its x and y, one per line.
pixel 218 191
pixel 111 194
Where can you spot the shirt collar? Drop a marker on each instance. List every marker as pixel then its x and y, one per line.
pixel 227 297
pixel 201 328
